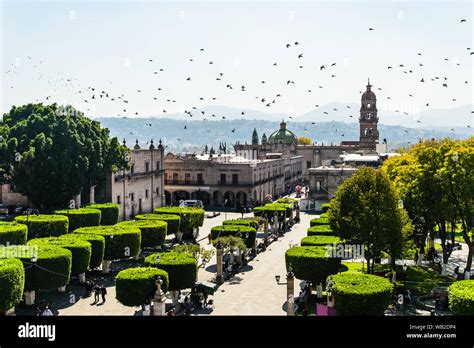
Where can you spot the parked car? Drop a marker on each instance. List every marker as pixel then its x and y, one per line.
pixel 191 203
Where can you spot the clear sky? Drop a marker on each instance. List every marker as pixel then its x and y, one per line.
pixel 59 48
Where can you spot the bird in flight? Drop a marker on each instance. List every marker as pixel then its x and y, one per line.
pixel 370 29
pixel 322 67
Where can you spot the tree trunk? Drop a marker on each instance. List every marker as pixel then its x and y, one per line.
pixel 469 261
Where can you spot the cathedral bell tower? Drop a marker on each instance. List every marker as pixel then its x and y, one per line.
pixel 369 134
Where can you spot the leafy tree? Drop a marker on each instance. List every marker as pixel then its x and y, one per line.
pixel 254 137
pixel 366 211
pixel 264 139
pixel 50 153
pixel 305 141
pixel 197 251
pixel 206 149
pixel 230 243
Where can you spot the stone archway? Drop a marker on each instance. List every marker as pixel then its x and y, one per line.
pixel 229 196
pixel 202 196
pixel 241 199
pixel 217 199
pixel 181 195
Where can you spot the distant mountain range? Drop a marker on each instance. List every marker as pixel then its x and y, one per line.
pixel 206 129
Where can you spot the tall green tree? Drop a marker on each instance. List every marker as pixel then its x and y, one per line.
pixel 50 153
pixel 366 211
pixel 254 137
pixel 264 139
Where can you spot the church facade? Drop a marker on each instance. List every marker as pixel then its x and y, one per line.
pixel 285 142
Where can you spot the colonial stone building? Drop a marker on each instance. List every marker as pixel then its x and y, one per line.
pixel 141 188
pixel 229 180
pixel 284 141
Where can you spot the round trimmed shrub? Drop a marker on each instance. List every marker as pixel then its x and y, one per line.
pixel 51 270
pixel 12 233
pixel 109 212
pixel 136 286
pixel 248 234
pixel 190 217
pixel 44 225
pixel 97 246
pixel 121 242
pixel 181 268
pixel 361 294
pixel 171 220
pixel 242 222
pixel 82 217
pixel 311 263
pixel 319 221
pixel 320 230
pixel 320 240
pixel 461 297
pixel 80 250
pixel 153 231
pixel 268 210
pixel 12 275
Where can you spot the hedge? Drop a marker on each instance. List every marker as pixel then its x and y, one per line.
pixel 242 222
pixel 12 233
pixel 320 240
pixel 320 230
pixel 12 275
pixel 109 212
pixel 461 297
pixel 325 207
pixel 357 293
pixel 51 270
pixel 82 217
pixel 181 268
pixel 120 242
pixel 80 250
pixel 97 246
pixel 311 263
pixel 248 234
pixel 153 231
pixel 44 225
pixel 171 220
pixel 319 221
pixel 268 210
pixel 136 286
pixel 190 217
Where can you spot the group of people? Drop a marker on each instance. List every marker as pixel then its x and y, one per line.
pixel 98 291
pixel 44 313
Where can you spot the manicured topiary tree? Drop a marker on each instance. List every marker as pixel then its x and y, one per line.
pixel 12 282
pixel 190 217
pixel 248 234
pixel 120 241
pixel 311 263
pixel 268 210
pixel 461 297
pixel 317 230
pixel 80 249
pixel 171 220
pixel 12 233
pixel 44 225
pixel 46 267
pixel 250 222
pixel 109 212
pixel 153 231
pixel 319 221
pixel 97 246
pixel 82 217
pixel 320 240
pixel 136 286
pixel 181 268
pixel 361 294
pixel 325 207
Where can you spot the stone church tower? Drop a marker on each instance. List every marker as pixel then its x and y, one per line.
pixel 369 134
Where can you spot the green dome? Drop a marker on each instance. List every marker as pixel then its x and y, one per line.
pixel 282 136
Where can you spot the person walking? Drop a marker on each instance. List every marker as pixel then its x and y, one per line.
pixel 96 293
pixel 47 312
pixel 242 210
pixel 103 292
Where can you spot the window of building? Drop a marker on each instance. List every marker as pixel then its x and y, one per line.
pixel 222 178
pixel 308 164
pixel 146 193
pixel 118 200
pixel 132 196
pixel 318 185
pixel 187 178
pixel 147 166
pixel 132 168
pixel 175 177
pixel 157 165
pixel 157 191
pixel 199 178
pixel 235 179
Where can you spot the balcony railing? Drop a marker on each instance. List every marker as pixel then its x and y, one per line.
pixel 119 177
pixel 184 182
